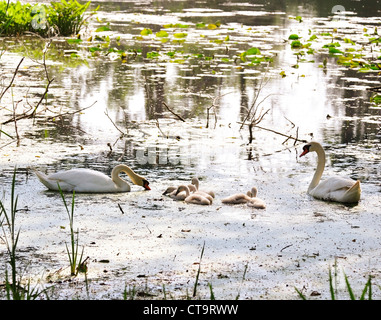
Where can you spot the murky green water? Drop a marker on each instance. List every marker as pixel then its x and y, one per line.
pixel 127 122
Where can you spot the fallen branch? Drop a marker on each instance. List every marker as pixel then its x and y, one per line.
pixel 175 114
pixel 13 78
pixel 284 135
pixel 213 106
pixel 106 113
pixel 47 77
pixel 279 133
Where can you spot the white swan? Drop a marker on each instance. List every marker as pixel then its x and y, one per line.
pixel 332 189
pixel 196 183
pixel 195 198
pixel 254 201
pixel 86 180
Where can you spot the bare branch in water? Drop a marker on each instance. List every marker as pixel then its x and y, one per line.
pixel 175 114
pixel 13 78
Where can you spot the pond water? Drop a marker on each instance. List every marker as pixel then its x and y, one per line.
pixel 104 108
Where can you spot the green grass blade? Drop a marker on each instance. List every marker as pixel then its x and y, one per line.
pixel 331 290
pixel 301 295
pixel 351 295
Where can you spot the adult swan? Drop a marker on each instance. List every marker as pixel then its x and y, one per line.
pixel 332 189
pixel 86 180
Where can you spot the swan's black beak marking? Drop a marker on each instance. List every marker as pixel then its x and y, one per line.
pixel 145 185
pixel 306 149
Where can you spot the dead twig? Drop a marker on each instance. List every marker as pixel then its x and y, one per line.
pixel 47 77
pixel 175 114
pixel 117 128
pixel 214 107
pixel 284 135
pixel 13 78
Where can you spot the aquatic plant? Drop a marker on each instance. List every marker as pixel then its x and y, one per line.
pixel 367 288
pixel 65 18
pixel 68 16
pixel 14 286
pixel 76 265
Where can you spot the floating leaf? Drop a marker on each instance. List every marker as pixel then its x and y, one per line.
pixel 296 44
pixel 253 51
pixel 333 50
pixel 297 18
pixel 104 28
pixel 180 35
pixel 74 41
pixel 162 34
pixel 93 49
pixel 331 45
pixel 153 54
pixel 146 32
pixel 293 37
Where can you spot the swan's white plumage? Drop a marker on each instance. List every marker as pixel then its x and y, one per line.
pixel 86 180
pixel 337 189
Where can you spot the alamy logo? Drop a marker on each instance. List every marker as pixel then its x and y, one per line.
pixel 39 17
pixel 338 11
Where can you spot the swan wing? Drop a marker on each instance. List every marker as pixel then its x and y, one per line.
pixel 337 189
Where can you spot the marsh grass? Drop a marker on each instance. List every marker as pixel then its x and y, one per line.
pixel 15 286
pixel 76 265
pixel 367 291
pixel 68 16
pixel 198 272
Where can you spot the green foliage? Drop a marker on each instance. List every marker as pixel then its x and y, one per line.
pixel 162 34
pixel 376 99
pixel 296 44
pixel 366 291
pixel 14 283
pixel 65 17
pixel 76 262
pixel 146 32
pixel 297 18
pixel 293 37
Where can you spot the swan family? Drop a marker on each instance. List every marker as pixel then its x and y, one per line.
pixel 336 189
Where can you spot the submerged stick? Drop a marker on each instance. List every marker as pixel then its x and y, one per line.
pixel 13 78
pixel 175 114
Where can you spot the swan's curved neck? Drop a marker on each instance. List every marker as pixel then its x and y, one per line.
pixel 123 168
pixel 254 192
pixel 319 169
pixel 183 188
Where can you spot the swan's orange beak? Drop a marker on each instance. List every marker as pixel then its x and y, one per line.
pixel 306 149
pixel 303 153
pixel 146 185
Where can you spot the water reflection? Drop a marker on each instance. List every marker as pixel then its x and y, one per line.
pixel 332 104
